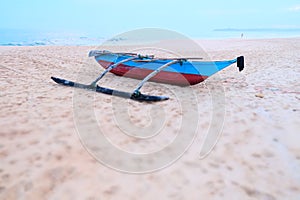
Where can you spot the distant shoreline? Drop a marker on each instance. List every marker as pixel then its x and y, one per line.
pixel 259 30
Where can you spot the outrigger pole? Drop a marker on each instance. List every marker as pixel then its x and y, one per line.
pixel 94 83
pixel 147 78
pixel 136 91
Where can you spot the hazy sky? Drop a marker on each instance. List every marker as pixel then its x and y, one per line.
pixel 112 17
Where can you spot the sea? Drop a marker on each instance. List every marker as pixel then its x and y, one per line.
pixel 14 37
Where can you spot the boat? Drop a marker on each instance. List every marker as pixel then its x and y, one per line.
pixel 182 71
pixel 185 72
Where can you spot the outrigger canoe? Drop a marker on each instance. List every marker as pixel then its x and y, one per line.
pixel 184 73
pixel 175 71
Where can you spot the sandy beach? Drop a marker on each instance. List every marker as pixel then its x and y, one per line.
pixel 257 155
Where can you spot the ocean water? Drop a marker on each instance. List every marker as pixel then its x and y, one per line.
pixel 10 37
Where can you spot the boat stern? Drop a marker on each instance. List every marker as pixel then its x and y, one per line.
pixel 240 63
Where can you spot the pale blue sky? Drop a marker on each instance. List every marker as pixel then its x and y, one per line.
pixel 112 17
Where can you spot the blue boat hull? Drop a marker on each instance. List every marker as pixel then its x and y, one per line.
pixel 183 73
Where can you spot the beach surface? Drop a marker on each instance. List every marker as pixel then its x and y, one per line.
pixel 257 154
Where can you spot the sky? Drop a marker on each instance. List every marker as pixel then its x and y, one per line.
pixel 112 17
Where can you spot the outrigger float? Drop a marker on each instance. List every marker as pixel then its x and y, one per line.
pixel 175 71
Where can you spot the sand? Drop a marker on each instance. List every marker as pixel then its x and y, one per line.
pixel 257 155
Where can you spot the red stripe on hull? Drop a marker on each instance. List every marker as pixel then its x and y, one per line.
pixel 162 77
